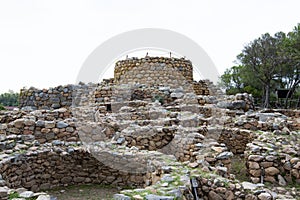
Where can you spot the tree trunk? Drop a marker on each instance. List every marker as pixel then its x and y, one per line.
pixel 267 96
pixel 291 92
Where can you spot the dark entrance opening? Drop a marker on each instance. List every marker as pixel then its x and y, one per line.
pixel 108 107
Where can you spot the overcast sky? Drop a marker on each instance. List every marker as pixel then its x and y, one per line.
pixel 43 43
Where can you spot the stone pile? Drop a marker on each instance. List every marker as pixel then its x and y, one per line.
pixel 203 99
pixel 287 112
pixel 294 116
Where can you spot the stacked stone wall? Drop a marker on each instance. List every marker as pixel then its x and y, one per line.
pixel 44 125
pixel 276 159
pixel 50 168
pixel 51 98
pixel 154 71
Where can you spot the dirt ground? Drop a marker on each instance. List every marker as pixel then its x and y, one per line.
pixel 84 192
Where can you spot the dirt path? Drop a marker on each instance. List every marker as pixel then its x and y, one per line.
pixel 84 192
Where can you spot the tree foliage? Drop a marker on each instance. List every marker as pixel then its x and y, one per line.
pixel 9 99
pixel 266 64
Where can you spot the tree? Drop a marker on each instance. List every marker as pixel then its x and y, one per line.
pixel 239 79
pixel 291 55
pixel 261 58
pixel 9 99
pixel 232 80
pixel 266 64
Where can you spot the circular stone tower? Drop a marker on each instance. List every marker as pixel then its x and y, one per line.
pixel 154 71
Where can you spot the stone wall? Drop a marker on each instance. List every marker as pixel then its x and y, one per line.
pixel 236 139
pixel 103 93
pixel 43 169
pixel 274 157
pixel 201 88
pixel 52 98
pixel 154 71
pixel 237 102
pixel 286 112
pixel 214 188
pixel 44 125
pixel 63 96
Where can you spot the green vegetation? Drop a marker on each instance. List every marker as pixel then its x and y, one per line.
pixel 15 195
pixel 9 98
pixel 159 98
pixel 266 64
pixel 2 107
pixel 239 169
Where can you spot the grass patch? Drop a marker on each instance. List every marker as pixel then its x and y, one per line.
pixel 16 195
pixel 13 195
pixel 238 168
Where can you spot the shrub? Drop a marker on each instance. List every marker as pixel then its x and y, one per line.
pixel 2 107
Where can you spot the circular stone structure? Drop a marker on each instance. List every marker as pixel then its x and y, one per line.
pixel 153 71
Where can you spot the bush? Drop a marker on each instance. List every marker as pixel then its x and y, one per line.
pixel 2 107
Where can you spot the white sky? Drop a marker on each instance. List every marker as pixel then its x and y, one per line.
pixel 44 43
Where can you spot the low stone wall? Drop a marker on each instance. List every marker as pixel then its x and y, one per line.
pixel 274 157
pixel 293 114
pixel 236 139
pixel 44 125
pixel 265 122
pixel 201 88
pixel 44 169
pixel 65 96
pixel 106 93
pixel 149 139
pixel 239 101
pixel 173 181
pixel 52 98
pixel 214 188
pixel 286 112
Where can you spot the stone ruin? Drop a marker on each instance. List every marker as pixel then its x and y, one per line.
pixel 153 128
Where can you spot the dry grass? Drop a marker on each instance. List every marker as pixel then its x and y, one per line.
pixel 84 192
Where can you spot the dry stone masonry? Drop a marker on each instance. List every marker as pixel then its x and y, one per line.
pixel 151 127
pixel 153 70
